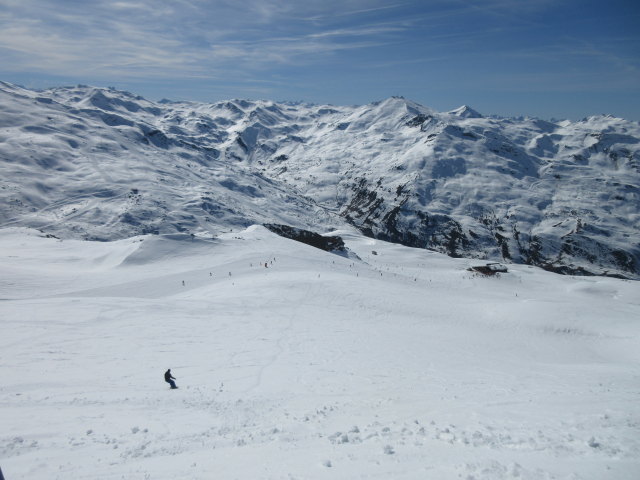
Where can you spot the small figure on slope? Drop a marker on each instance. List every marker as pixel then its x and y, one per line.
pixel 169 379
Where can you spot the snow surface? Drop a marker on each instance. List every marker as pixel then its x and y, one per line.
pixel 395 364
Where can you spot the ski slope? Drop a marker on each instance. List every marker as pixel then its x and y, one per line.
pixel 398 364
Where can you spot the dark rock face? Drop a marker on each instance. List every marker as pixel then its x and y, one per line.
pixel 490 269
pixel 585 250
pixel 328 244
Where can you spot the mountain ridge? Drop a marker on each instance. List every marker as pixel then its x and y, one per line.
pixel 98 163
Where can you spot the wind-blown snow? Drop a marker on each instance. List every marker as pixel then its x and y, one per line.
pixel 397 364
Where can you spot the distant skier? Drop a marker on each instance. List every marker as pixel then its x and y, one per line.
pixel 169 379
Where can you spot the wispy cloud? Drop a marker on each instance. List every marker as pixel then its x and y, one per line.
pixel 149 38
pixel 338 12
pixel 53 37
pixel 359 31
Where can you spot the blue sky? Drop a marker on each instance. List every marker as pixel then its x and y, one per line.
pixel 546 58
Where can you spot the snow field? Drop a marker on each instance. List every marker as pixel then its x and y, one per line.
pixel 399 364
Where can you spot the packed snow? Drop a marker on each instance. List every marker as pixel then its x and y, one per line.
pixel 296 363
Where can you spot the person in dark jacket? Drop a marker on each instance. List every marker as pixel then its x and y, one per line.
pixel 169 379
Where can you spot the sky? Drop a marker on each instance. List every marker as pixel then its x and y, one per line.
pixel 545 58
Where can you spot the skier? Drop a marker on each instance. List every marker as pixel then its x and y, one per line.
pixel 169 379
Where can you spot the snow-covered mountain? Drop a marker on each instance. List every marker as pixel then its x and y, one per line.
pixel 103 164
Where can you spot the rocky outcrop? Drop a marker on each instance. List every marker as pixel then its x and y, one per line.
pixel 327 243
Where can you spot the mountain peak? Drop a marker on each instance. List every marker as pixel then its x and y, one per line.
pixel 401 102
pixel 465 111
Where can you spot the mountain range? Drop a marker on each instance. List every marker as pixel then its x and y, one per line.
pixel 102 164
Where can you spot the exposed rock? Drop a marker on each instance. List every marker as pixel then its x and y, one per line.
pixel 326 243
pixel 490 269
